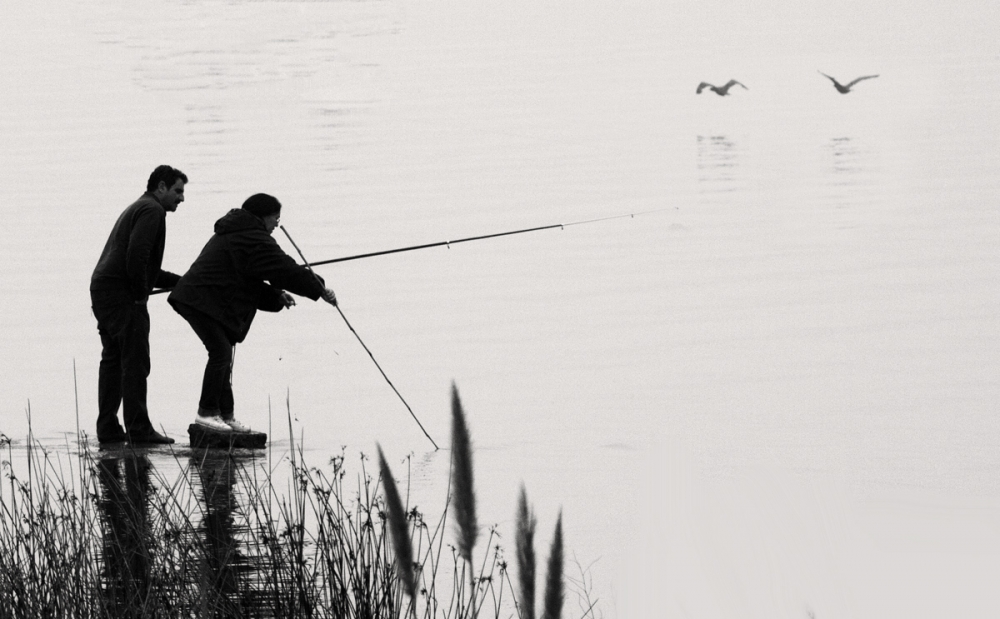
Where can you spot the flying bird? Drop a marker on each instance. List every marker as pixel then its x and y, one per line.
pixel 842 89
pixel 722 91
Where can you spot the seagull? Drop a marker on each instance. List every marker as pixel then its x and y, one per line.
pixel 722 91
pixel 845 89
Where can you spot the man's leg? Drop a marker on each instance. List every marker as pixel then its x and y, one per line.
pixel 227 404
pixel 111 314
pixel 216 389
pixel 135 371
pixel 109 388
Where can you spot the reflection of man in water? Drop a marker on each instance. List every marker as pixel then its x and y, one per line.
pixel 125 527
pixel 128 544
pixel 220 590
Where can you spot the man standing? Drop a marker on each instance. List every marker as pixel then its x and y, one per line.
pixel 127 272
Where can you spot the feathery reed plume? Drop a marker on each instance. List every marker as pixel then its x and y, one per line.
pixel 525 542
pixel 464 499
pixel 554 578
pixel 398 529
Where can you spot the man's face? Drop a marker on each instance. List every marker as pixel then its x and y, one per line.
pixel 271 221
pixel 170 197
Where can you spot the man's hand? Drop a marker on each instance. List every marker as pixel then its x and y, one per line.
pixel 330 297
pixel 287 299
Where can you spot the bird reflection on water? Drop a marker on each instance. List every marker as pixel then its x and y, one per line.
pixel 718 164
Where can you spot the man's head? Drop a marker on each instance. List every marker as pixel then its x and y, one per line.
pixel 265 207
pixel 167 186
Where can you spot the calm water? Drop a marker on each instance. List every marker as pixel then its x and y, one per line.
pixel 774 395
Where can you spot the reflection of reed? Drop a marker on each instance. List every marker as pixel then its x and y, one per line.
pixel 125 578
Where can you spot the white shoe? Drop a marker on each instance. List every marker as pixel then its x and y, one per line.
pixel 213 423
pixel 236 426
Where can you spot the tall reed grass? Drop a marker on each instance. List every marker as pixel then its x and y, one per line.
pixel 399 529
pixel 462 494
pixel 463 507
pixel 524 539
pixel 106 534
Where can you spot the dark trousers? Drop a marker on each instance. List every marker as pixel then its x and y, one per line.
pixel 121 381
pixel 216 385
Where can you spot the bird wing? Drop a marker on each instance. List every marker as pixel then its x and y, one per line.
pixel 702 86
pixel 863 77
pixel 827 77
pixel 732 83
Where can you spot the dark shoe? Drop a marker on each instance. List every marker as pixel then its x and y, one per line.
pixel 112 438
pixel 152 438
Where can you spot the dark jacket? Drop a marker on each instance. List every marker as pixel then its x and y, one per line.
pixel 240 270
pixel 130 262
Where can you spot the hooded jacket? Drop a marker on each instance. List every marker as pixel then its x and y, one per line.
pixel 240 270
pixel 131 259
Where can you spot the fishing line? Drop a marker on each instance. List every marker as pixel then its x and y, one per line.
pixel 347 322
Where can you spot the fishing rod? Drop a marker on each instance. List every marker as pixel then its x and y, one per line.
pixel 481 237
pixel 347 322
pixel 467 239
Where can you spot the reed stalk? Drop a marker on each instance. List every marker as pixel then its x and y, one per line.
pixel 463 500
pixel 524 540
pixel 554 588
pixel 399 529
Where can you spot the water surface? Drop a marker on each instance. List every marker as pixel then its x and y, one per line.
pixel 773 396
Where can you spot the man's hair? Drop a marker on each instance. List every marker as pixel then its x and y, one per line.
pixel 262 205
pixel 166 174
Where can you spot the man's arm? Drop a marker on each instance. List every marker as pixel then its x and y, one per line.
pixel 272 264
pixel 146 228
pixel 166 280
pixel 271 299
